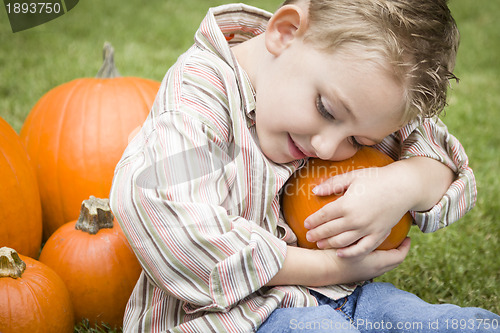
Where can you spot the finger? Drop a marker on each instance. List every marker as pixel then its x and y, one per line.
pixel 404 248
pixel 326 226
pixel 387 260
pixel 399 254
pixel 364 246
pixel 334 185
pixel 329 212
pixel 395 257
pixel 340 241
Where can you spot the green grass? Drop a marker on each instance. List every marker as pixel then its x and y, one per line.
pixel 85 327
pixel 459 264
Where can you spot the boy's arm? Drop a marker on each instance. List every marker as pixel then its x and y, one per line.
pixel 426 181
pixel 431 139
pixel 316 268
pixel 419 181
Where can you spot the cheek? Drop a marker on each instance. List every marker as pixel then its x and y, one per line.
pixel 269 114
pixel 344 151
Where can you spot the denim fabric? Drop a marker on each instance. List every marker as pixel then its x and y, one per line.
pixel 382 308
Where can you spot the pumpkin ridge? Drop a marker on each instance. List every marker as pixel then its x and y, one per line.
pixel 38 120
pixel 63 117
pixel 141 88
pixel 5 139
pixel 32 146
pixel 4 156
pixel 123 127
pixel 101 165
pixel 92 101
pixel 9 163
pixel 35 300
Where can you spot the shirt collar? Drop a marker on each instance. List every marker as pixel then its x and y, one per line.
pixel 228 25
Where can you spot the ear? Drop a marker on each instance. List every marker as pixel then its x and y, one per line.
pixel 288 23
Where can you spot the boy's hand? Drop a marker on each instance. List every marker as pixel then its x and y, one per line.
pixel 362 218
pixel 374 201
pixel 372 265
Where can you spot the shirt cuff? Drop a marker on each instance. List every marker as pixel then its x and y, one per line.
pixel 459 199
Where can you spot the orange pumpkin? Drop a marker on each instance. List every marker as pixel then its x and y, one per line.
pixel 299 202
pixel 76 134
pixel 33 298
pixel 96 263
pixel 20 208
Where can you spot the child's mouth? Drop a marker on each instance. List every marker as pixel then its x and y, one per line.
pixel 296 151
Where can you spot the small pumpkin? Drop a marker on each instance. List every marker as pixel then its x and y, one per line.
pixel 298 201
pixel 76 134
pixel 33 298
pixel 94 259
pixel 20 208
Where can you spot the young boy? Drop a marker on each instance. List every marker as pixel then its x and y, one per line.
pixel 197 190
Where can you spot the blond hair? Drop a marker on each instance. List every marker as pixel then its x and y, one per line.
pixel 417 38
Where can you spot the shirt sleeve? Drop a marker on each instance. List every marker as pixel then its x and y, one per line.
pixel 430 138
pixel 174 196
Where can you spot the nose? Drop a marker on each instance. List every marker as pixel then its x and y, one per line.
pixel 332 147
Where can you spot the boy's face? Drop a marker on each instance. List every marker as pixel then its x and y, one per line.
pixel 319 104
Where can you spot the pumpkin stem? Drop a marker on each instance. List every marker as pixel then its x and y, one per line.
pixel 10 263
pixel 95 215
pixel 108 69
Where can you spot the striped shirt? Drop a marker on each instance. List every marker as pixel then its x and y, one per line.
pixel 199 202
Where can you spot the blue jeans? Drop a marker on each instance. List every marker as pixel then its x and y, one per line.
pixel 382 308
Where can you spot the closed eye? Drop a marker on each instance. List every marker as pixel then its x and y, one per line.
pixel 327 115
pixel 322 110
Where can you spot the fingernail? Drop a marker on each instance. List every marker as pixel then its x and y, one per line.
pixel 315 189
pixel 308 237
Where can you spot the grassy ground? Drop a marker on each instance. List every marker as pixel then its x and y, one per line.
pixel 459 264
